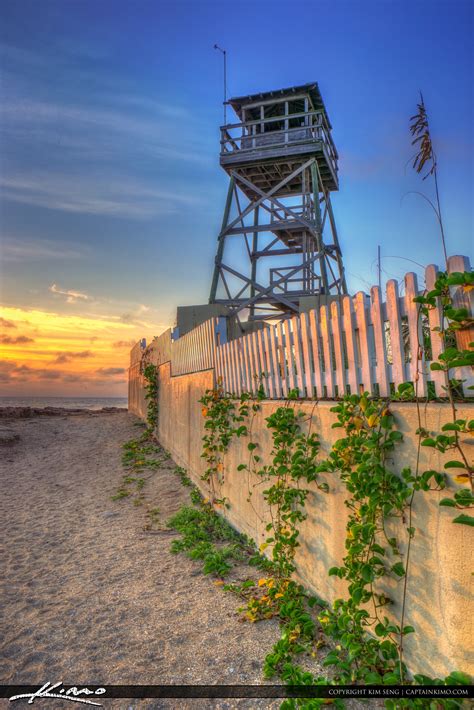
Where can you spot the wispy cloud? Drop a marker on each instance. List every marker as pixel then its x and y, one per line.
pixel 124 343
pixel 5 323
pixel 11 372
pixel 161 137
pixel 111 371
pixel 68 355
pixel 13 250
pixel 106 196
pixel 135 317
pixel 18 340
pixel 71 296
pixel 115 126
pixel 6 370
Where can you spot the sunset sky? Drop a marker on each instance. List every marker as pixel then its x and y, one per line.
pixel 111 191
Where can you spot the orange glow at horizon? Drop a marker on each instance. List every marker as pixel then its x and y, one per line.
pixel 51 354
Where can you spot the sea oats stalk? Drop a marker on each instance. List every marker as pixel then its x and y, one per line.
pixel 426 157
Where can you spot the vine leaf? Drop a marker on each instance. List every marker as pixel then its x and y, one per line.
pixel 464 520
pixel 399 569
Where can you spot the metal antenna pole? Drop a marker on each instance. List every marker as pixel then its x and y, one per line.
pixel 379 268
pixel 216 46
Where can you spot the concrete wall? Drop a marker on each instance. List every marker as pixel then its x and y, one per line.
pixel 157 352
pixel 136 391
pixel 440 585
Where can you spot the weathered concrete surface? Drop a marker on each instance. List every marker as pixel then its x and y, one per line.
pixel 157 352
pixel 440 584
pixel 181 424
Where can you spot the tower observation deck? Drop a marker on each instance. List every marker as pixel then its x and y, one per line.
pixel 278 241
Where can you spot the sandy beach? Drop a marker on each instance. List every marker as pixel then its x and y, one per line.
pixel 90 597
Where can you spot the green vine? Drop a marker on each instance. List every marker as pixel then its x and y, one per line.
pixel 150 374
pixel 365 645
pixel 223 421
pixel 375 495
pixel 293 461
pixel 453 320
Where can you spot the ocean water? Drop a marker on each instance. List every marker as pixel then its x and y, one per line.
pixel 66 402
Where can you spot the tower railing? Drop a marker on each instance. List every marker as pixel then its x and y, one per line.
pixel 275 132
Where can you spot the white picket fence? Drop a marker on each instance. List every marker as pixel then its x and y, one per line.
pixel 357 344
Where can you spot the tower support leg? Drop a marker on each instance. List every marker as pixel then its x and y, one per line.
pixel 319 225
pixel 253 274
pixel 221 241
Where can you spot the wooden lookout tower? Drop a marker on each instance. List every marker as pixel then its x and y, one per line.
pixel 278 241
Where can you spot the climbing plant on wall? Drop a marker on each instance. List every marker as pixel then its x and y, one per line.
pixel 150 374
pixel 367 642
pixel 363 633
pixel 453 320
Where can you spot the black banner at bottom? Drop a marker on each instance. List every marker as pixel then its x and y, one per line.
pixel 96 695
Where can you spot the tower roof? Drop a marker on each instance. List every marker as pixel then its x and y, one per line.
pixel 312 89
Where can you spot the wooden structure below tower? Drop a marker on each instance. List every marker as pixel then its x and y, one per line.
pixel 282 164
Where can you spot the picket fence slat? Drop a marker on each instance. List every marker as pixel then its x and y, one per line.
pixel 396 339
pixel 240 369
pixel 305 338
pixel 351 345
pixel 318 372
pixel 247 365
pixel 288 354
pixel 338 348
pixel 262 361
pixel 276 368
pixel 281 359
pixel 415 332
pixel 225 367
pixel 463 298
pixel 268 359
pixel 298 361
pixel 434 321
pixel 219 375
pixel 229 366
pixel 381 374
pixel 364 342
pixel 254 355
pixel 258 362
pixel 236 366
pixel 328 369
pixel 233 377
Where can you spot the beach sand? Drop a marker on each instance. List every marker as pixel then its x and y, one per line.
pixel 87 595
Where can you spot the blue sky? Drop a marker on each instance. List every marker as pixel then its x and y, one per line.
pixel 111 186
